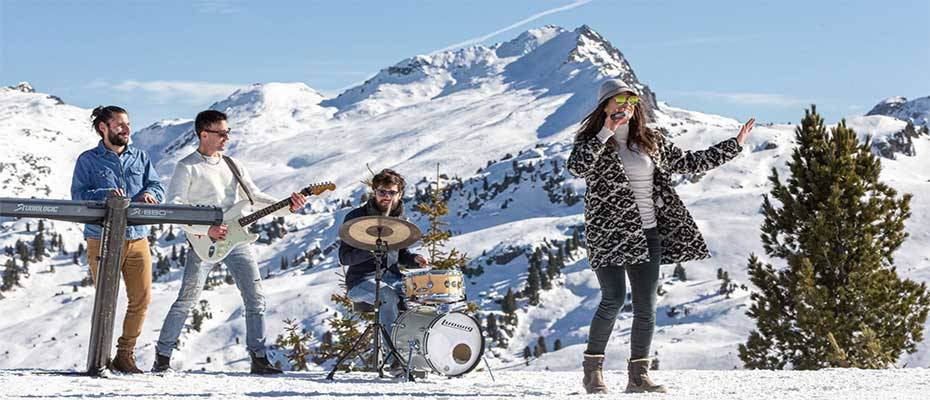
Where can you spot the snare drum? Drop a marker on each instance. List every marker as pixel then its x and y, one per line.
pixel 433 286
pixel 449 344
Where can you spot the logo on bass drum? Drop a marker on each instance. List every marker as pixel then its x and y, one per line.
pixel 454 325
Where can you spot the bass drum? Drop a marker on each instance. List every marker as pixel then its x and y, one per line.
pixel 449 344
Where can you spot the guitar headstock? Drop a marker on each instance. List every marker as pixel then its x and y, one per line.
pixel 318 188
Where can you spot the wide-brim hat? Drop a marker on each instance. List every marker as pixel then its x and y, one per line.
pixel 611 88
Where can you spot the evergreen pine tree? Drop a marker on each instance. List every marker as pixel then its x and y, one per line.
pixel 540 347
pixel 436 237
pixel 532 286
pixel 296 345
pixel 344 332
pixel 680 273
pixel 10 275
pixel 544 282
pixel 492 329
pixel 557 345
pixel 38 245
pixel 552 267
pixel 839 301
pixel 509 304
pixel 201 314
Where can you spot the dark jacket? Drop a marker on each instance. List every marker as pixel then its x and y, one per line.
pixel 361 262
pixel 613 227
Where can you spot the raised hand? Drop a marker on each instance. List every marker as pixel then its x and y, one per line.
pixel 744 131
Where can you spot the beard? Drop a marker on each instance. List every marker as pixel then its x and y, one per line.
pixel 116 140
pixel 383 206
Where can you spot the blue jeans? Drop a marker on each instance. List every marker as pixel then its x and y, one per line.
pixel 644 280
pixel 392 290
pixel 242 266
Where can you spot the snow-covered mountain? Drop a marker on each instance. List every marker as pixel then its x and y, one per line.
pixel 499 121
pixel 42 137
pixel 915 111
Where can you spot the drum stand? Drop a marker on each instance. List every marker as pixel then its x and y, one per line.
pixel 375 328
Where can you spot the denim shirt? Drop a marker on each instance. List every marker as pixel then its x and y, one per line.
pixel 100 170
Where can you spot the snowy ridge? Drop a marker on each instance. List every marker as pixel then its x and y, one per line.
pixel 915 111
pixel 43 138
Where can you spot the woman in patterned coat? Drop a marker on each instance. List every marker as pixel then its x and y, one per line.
pixel 634 220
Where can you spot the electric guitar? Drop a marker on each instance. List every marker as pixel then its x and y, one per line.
pixel 213 251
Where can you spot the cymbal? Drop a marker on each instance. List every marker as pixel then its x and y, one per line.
pixel 362 233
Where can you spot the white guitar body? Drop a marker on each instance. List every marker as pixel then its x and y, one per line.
pixel 215 251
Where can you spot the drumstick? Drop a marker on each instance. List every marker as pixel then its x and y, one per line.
pixel 390 206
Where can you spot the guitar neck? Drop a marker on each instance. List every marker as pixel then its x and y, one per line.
pixel 311 190
pixel 249 219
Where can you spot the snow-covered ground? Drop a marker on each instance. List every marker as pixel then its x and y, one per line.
pixel 830 384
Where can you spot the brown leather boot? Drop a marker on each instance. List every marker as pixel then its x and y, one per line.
pixel 639 378
pixel 125 362
pixel 593 380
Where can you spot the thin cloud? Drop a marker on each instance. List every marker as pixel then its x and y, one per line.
pixel 185 91
pixel 222 7
pixel 766 99
pixel 531 18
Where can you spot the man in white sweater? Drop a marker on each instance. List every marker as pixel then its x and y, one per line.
pixel 205 178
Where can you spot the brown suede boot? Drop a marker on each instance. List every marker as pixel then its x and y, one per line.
pixel 593 380
pixel 639 378
pixel 125 362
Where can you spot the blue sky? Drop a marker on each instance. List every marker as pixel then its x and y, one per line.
pixel 170 59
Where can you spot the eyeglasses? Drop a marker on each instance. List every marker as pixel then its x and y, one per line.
pixel 386 193
pixel 222 134
pixel 632 99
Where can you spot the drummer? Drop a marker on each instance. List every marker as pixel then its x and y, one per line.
pixel 385 199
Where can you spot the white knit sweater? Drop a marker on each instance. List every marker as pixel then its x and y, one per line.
pixel 639 169
pixel 203 180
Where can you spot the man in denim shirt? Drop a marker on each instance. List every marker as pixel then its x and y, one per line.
pixel 116 167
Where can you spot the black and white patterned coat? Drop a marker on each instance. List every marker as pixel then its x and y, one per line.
pixel 613 226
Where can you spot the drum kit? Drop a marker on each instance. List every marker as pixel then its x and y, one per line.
pixel 434 334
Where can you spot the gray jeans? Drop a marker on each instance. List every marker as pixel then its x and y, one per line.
pixel 244 270
pixel 644 280
pixel 392 291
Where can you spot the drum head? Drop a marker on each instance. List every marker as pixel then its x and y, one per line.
pixel 454 344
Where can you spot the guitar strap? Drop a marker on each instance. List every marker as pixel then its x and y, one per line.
pixel 235 171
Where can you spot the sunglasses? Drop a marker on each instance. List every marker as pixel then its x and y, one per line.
pixel 386 193
pixel 222 134
pixel 623 98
